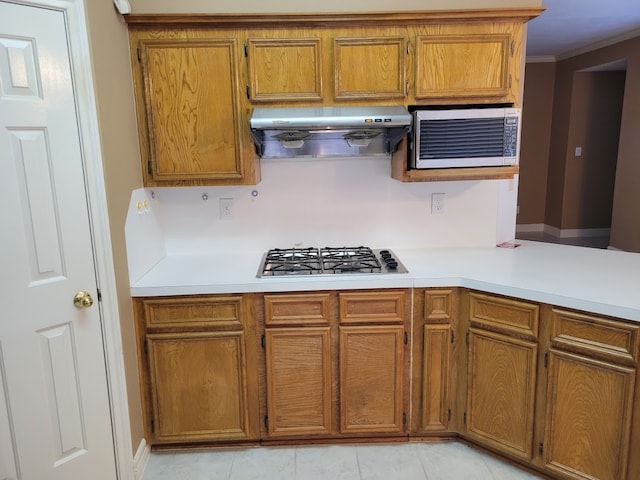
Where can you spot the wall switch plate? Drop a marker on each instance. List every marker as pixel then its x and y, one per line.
pixel 437 203
pixel 225 208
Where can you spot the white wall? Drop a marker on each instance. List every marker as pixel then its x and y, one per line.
pixel 321 202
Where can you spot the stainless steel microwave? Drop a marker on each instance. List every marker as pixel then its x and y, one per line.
pixel 465 137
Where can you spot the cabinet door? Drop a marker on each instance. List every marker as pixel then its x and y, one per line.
pixel 371 379
pixel 194 118
pixel 370 68
pixel 435 383
pixel 589 411
pixel 198 387
pixel 298 381
pixel 463 61
pixel 285 69
pixel 501 392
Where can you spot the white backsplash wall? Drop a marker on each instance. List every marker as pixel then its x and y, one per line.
pixel 329 202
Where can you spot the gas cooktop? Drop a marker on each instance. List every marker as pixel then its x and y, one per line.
pixel 329 261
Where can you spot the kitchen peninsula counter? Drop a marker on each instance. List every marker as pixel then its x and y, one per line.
pixel 600 281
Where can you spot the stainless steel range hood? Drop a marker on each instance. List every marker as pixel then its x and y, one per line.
pixel 328 131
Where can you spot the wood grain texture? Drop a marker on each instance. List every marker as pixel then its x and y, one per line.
pixel 505 315
pixel 501 392
pixel 370 67
pixel 365 307
pixel 371 379
pixel 597 336
pixel 194 312
pixel 199 384
pixel 589 414
pixel 285 69
pixel 297 309
pixel 437 372
pixel 299 381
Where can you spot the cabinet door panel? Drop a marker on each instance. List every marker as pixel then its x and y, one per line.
pixel 462 65
pixel 436 368
pixel 199 386
pixel 298 381
pixel 193 110
pixel 285 69
pixel 371 379
pixel 588 421
pixel 369 68
pixel 501 392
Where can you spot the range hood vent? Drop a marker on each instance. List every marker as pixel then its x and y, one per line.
pixel 328 131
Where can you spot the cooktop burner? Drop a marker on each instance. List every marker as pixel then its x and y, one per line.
pixel 328 261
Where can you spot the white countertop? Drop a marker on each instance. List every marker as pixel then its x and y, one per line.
pixel 599 281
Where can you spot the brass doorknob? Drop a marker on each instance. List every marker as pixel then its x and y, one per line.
pixel 82 300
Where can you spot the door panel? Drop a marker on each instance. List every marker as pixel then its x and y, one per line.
pixel 54 400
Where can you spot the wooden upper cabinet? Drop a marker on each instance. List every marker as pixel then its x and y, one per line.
pixel 284 69
pixel 192 124
pixel 370 68
pixel 468 62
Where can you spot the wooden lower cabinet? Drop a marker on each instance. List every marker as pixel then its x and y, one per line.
pixel 591 386
pixel 298 381
pixel 196 358
pixel 502 373
pixel 336 364
pixel 501 392
pixel 372 379
pixel 433 373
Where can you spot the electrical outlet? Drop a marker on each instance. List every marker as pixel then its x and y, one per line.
pixel 437 203
pixel 225 208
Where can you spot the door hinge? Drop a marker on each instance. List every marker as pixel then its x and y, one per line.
pixel 149 168
pixel 449 415
pixel 263 341
pixel 509 80
pixel 540 448
pixel 99 295
pixel 246 50
pixel 512 47
pixel 145 347
pixel 546 359
pixel 406 338
pixel 404 418
pixel 266 422
pixel 453 336
pixel 408 47
pixel 139 54
pixel 466 337
pixel 248 93
pixel 153 426
pixel 464 418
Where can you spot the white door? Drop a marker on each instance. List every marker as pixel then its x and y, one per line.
pixel 55 419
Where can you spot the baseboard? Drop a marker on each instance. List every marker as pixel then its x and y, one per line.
pixel 563 233
pixel 141 459
pixel 530 227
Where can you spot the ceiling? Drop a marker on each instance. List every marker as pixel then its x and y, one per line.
pixel 571 27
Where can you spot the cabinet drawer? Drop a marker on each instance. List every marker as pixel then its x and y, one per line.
pixel 504 314
pixel 438 306
pixel 299 309
pixel 223 312
pixel 603 337
pixel 372 307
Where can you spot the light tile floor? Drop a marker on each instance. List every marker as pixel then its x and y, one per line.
pixel 397 461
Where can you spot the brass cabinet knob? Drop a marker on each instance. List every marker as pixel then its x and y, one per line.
pixel 82 300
